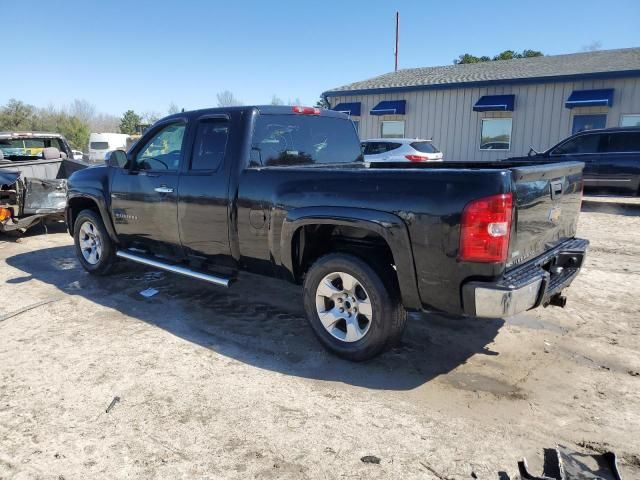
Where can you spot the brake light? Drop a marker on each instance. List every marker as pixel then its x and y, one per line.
pixel 485 229
pixel 5 214
pixel 306 110
pixel 416 158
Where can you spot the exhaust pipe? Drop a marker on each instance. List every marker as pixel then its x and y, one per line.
pixel 558 300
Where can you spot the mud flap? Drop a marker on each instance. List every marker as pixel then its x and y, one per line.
pixel 562 463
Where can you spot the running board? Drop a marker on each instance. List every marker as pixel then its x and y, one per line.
pixel 222 282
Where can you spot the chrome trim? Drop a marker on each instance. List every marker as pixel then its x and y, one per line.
pixel 223 282
pixel 494 302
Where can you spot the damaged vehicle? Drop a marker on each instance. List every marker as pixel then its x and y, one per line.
pixel 34 167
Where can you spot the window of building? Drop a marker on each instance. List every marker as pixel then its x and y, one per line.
pixel 630 120
pixel 393 129
pixel 588 122
pixel 495 134
pixel 282 140
pixel 209 145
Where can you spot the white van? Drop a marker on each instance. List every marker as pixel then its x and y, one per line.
pixel 101 143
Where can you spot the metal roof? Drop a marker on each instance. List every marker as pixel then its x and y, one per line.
pixel 620 62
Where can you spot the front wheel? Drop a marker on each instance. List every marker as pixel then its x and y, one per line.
pixel 350 308
pixel 94 248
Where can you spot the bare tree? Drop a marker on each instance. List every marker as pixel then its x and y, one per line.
pixel 275 100
pixel 150 117
pixel 173 108
pixel 295 101
pixel 226 99
pixel 82 109
pixel 593 46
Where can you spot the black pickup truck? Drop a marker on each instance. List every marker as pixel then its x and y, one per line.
pixel 283 191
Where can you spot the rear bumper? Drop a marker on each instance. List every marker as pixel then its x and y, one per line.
pixel 528 286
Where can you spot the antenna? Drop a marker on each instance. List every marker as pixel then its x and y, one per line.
pixel 397 38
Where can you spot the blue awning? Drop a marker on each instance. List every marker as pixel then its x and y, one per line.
pixel 352 109
pixel 590 98
pixel 389 107
pixel 495 103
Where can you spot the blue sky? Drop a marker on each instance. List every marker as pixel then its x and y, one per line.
pixel 145 54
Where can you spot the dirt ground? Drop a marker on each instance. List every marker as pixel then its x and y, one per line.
pixel 231 384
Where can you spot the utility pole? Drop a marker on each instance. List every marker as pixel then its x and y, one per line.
pixel 397 38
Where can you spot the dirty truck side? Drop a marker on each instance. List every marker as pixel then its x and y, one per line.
pixel 284 192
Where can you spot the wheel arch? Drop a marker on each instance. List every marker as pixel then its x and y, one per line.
pixel 386 226
pixel 76 202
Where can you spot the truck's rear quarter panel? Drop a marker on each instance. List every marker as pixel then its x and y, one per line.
pixel 429 202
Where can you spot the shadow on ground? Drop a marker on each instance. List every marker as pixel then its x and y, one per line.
pixel 260 321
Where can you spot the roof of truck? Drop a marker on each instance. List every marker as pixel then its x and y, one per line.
pixel 268 109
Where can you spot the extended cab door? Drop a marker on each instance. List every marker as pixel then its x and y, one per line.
pixel 144 193
pixel 203 205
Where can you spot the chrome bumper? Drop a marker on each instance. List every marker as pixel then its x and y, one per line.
pixel 538 282
pixel 492 302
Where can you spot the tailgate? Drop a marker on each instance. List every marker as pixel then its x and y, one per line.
pixel 547 199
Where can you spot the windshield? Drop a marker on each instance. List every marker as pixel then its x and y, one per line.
pixel 280 140
pixel 27 148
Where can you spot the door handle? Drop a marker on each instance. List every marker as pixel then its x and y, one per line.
pixel 163 189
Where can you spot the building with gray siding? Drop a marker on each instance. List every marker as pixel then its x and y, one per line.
pixel 492 110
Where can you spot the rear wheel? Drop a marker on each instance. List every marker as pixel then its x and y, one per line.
pixel 94 248
pixel 350 308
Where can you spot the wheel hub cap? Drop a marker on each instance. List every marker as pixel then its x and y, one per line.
pixel 90 243
pixel 343 306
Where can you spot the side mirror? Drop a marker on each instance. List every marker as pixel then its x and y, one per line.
pixel 532 152
pixel 116 158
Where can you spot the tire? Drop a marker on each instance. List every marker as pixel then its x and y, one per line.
pixel 351 310
pixel 94 248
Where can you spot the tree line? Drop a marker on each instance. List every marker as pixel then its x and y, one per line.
pixel 506 55
pixel 78 119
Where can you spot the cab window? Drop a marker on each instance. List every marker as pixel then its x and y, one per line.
pixel 209 145
pixel 288 140
pixel 163 151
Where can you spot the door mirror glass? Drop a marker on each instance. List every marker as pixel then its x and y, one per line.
pixel 116 158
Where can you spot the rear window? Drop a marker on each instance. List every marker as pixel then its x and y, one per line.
pixel 28 147
pixel 280 140
pixel 425 147
pixel 99 145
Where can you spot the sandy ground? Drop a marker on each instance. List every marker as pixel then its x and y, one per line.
pixel 231 384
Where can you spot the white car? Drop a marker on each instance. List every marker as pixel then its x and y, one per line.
pixel 400 150
pixel 77 154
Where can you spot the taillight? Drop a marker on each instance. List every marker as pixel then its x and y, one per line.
pixel 485 229
pixel 306 110
pixel 416 158
pixel 5 214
